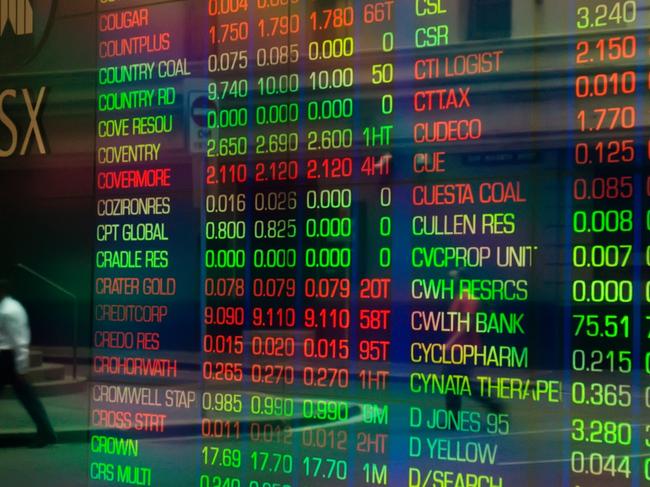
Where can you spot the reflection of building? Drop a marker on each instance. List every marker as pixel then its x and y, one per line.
pixel 18 14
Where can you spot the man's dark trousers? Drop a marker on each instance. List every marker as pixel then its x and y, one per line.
pixel 25 393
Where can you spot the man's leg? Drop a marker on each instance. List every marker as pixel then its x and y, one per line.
pixel 30 401
pixel 453 402
pixel 34 406
pixel 493 405
pixel 6 368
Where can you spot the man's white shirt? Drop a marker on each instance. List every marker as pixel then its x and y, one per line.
pixel 14 331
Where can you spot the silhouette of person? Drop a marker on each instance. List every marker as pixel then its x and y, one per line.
pixel 466 336
pixel 14 360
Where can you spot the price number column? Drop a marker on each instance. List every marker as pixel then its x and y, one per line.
pixel 328 101
pixel 225 234
pixel 273 402
pixel 602 244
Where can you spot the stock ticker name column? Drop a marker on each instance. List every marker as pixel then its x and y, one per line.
pixel 472 257
pixel 144 298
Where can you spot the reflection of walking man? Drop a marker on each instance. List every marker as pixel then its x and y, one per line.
pixel 14 360
pixel 468 306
